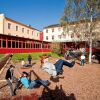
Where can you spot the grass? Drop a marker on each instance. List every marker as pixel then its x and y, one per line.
pixel 35 56
pixel 1 55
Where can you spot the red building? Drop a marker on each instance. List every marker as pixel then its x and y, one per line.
pixel 16 37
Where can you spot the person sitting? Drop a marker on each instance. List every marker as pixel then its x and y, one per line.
pixel 24 64
pixel 57 68
pixel 30 84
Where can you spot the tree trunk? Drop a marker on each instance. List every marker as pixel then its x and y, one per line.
pixel 90 51
pixel 90 45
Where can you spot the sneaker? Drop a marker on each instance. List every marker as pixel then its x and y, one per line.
pixel 14 94
pixel 54 79
pixel 73 63
pixel 60 72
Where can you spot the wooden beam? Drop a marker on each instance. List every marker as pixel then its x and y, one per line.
pixel 5 61
pixel 3 80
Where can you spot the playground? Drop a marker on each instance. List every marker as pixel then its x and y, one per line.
pixel 77 83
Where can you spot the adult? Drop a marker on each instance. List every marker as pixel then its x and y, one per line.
pixel 11 78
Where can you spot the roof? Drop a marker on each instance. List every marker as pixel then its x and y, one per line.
pixel 52 26
pixel 23 38
pixel 71 23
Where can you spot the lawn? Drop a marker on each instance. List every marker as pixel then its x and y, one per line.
pixel 35 56
pixel 1 55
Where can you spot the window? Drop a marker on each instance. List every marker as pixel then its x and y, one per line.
pixel 9 44
pixel 46 37
pixel 78 35
pixel 9 25
pixel 13 44
pixel 59 29
pixel 16 28
pixel 19 44
pixel 4 43
pixel 46 31
pixel 27 45
pixel 23 30
pixel 16 44
pixel 0 43
pixel 32 32
pixel 59 36
pixel 27 31
pixel 33 45
pixel 9 33
pixel 53 37
pixel 16 35
pixel 53 30
pixel 24 45
pixel 37 34
pixel 72 35
pixel 36 45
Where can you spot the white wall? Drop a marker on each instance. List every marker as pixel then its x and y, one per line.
pixel 57 31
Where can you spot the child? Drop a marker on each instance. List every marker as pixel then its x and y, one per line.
pixel 30 84
pixel 82 59
pixel 57 68
pixel 29 59
pixel 22 62
pixel 11 78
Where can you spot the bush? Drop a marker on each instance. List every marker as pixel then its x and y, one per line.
pixel 56 50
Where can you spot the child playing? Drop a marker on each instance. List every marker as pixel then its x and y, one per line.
pixel 82 59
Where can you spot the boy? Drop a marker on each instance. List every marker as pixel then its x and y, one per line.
pixel 82 59
pixel 10 78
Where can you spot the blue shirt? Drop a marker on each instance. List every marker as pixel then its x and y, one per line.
pixel 25 82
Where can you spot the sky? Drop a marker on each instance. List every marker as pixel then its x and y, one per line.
pixel 37 13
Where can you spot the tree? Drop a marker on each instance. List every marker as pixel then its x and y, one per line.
pixel 83 13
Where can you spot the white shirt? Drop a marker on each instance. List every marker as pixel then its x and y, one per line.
pixel 23 62
pixel 82 57
pixel 49 68
pixel 45 60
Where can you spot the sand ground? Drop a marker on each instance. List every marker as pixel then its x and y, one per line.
pixel 81 82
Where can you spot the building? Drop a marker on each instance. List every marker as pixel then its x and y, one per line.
pixel 16 37
pixel 55 33
pixel 74 35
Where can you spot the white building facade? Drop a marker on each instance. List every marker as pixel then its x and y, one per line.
pixel 73 32
pixel 55 33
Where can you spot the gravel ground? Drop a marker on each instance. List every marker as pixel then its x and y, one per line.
pixel 77 83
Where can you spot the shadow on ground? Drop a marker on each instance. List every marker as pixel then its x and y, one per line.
pixel 57 94
pixel 56 79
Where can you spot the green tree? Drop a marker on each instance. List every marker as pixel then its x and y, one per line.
pixel 85 11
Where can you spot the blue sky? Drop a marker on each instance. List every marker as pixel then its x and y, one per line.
pixel 37 13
